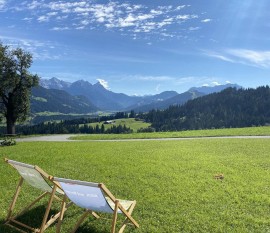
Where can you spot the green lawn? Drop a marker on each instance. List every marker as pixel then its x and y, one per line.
pixel 129 122
pixel 249 131
pixel 172 181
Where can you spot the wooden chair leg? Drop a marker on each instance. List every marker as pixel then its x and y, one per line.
pixel 126 219
pixel 29 205
pixel 42 228
pixel 115 216
pixel 13 202
pixel 63 207
pixel 95 215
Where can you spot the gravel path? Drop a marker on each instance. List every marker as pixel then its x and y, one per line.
pixel 47 138
pixel 65 138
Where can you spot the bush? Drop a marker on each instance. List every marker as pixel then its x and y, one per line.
pixel 8 142
pixel 146 130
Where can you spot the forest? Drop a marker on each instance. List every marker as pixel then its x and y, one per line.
pixel 76 126
pixel 229 108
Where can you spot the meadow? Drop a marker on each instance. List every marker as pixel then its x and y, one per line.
pixel 129 122
pixel 247 131
pixel 172 181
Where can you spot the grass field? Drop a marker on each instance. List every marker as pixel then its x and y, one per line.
pixel 172 181
pixel 129 122
pixel 250 131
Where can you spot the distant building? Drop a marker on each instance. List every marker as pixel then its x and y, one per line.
pixel 109 122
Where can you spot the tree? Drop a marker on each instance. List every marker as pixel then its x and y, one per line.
pixel 132 114
pixel 15 85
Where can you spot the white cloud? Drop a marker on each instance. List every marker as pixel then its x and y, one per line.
pixel 52 13
pixel 255 58
pixel 85 22
pixel 197 81
pixel 60 28
pixel 2 4
pixel 216 83
pixel 27 19
pixel 194 28
pixel 217 55
pixel 157 89
pixel 103 83
pixel 180 7
pixel 153 78
pixel 39 49
pixel 127 18
pixel 33 5
pixel 206 20
pixel 186 17
pixel 43 18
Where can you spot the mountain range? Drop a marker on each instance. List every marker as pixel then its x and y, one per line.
pixel 56 95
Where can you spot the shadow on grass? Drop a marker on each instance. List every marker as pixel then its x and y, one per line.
pixel 32 218
pixel 5 228
pixel 88 228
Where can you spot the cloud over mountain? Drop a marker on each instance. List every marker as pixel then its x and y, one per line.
pixel 131 19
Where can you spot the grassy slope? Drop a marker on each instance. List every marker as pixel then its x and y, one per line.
pixel 129 122
pixel 172 181
pixel 255 131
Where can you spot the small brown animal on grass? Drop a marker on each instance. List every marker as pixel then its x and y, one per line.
pixel 219 176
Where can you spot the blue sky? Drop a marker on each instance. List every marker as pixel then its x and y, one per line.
pixel 143 47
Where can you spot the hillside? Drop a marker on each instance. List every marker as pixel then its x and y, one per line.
pixel 230 108
pixel 218 88
pixel 52 100
pixel 178 99
pixel 107 100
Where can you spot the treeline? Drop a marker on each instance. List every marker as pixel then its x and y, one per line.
pixel 227 109
pixel 81 119
pixel 118 115
pixel 74 126
pixel 63 128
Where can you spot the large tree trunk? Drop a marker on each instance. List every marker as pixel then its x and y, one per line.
pixel 10 123
pixel 10 127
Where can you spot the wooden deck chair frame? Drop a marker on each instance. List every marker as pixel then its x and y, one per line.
pixel 116 206
pixel 37 178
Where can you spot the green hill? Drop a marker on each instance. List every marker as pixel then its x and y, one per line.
pixel 229 108
pixel 52 100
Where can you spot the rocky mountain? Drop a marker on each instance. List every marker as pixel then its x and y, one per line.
pixel 218 88
pixel 107 100
pixel 182 98
pixel 59 101
pixel 54 83
pixel 101 97
pixel 178 99
pixel 151 99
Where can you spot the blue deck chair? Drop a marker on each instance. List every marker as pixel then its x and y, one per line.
pixel 95 197
pixel 38 179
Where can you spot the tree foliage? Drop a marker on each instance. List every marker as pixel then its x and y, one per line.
pixel 15 85
pixel 228 109
pixel 65 127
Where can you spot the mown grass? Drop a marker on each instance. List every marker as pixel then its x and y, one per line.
pixel 248 131
pixel 129 122
pixel 172 181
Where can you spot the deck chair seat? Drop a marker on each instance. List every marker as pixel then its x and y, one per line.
pixel 38 179
pixel 125 203
pixel 95 197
